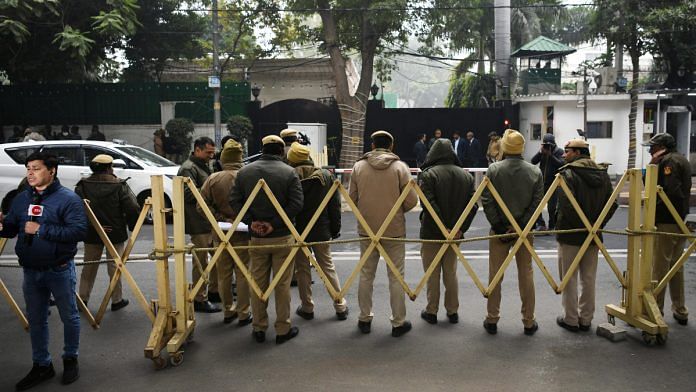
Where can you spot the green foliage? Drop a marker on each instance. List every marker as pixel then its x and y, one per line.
pixel 179 137
pixel 471 91
pixel 240 127
pixel 74 37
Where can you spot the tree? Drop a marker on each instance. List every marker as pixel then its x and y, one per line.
pixel 622 21
pixel 367 27
pixel 471 91
pixel 240 128
pixel 166 33
pixel 179 139
pixel 76 36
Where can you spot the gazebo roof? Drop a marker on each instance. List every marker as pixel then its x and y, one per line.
pixel 543 47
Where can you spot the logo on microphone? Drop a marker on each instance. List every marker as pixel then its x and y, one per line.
pixel 35 210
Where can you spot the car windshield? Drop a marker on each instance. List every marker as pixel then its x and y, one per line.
pixel 148 157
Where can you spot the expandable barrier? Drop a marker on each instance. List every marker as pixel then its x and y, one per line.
pixel 174 322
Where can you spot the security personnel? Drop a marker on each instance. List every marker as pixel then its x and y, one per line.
pixel 448 189
pixel 117 209
pixel 521 187
pixel 674 176
pixel 316 183
pixel 267 228
pixel 216 192
pixel 197 226
pixel 289 137
pixel 376 183
pixel 591 188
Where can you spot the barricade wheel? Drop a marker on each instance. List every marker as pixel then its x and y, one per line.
pixel 611 319
pixel 159 363
pixel 661 339
pixel 649 338
pixel 177 358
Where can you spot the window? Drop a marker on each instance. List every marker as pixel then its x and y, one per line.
pixel 535 131
pixel 599 129
pixel 148 157
pixel 67 155
pixel 20 154
pixel 91 152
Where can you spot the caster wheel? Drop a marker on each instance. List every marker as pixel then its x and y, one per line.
pixel 611 319
pixel 177 358
pixel 661 339
pixel 159 363
pixel 649 338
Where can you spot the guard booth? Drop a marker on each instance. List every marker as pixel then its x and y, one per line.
pixel 540 65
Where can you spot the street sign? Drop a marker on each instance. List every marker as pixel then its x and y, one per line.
pixel 213 81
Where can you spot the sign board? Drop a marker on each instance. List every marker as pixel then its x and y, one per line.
pixel 213 81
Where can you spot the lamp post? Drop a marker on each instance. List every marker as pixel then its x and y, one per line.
pixel 255 91
pixel 374 90
pixel 585 86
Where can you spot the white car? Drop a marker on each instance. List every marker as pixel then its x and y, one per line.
pixel 74 157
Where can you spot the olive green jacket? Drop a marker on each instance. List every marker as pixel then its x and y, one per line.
pixel 520 185
pixel 198 171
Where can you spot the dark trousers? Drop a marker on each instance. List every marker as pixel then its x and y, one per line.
pixel 553 202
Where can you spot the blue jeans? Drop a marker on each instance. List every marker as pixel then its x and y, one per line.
pixel 38 286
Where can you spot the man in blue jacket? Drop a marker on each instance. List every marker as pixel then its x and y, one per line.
pixel 48 220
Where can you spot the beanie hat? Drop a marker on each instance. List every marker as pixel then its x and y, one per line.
pixel 512 142
pixel 298 153
pixel 231 152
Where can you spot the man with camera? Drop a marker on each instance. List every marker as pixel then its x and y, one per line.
pixel 550 159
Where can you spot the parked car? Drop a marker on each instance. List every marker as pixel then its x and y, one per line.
pixel 132 162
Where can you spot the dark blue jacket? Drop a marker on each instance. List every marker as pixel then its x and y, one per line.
pixel 63 225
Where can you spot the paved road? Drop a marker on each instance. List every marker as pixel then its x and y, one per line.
pixel 333 355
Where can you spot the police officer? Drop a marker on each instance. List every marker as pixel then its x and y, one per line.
pixel 674 176
pixel 117 209
pixel 197 226
pixel 521 187
pixel 591 187
pixel 289 137
pixel 267 228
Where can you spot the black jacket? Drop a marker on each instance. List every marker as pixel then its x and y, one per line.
pixel 448 189
pixel 113 203
pixel 591 187
pixel 315 185
pixel 549 164
pixel 675 179
pixel 282 181
pixel 420 150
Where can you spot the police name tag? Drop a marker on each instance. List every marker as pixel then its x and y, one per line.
pixel 35 210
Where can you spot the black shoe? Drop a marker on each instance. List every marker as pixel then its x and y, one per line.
pixel 214 298
pixel 244 322
pixel 71 371
pixel 584 328
pixel 453 318
pixel 280 339
pixel 259 336
pixel 229 319
pixel 365 326
pixel 531 330
pixel 342 315
pixel 293 283
pixel 401 330
pixel 51 302
pixel 36 375
pixel 303 314
pixel 118 305
pixel 491 328
pixel 205 307
pixel 430 318
pixel 680 319
pixel 561 323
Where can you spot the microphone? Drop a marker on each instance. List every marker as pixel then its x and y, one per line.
pixel 34 211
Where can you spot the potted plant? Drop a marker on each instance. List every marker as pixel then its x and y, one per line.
pixel 177 144
pixel 240 128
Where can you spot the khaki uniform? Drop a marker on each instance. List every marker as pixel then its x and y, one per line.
pixel 674 176
pixel 197 225
pixel 322 253
pixel 521 186
pixel 591 188
pixel 377 181
pixel 93 252
pixel 263 261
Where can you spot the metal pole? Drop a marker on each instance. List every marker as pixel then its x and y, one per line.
pixel 585 85
pixel 216 72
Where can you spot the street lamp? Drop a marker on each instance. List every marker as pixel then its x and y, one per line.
pixel 374 90
pixel 585 85
pixel 255 91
